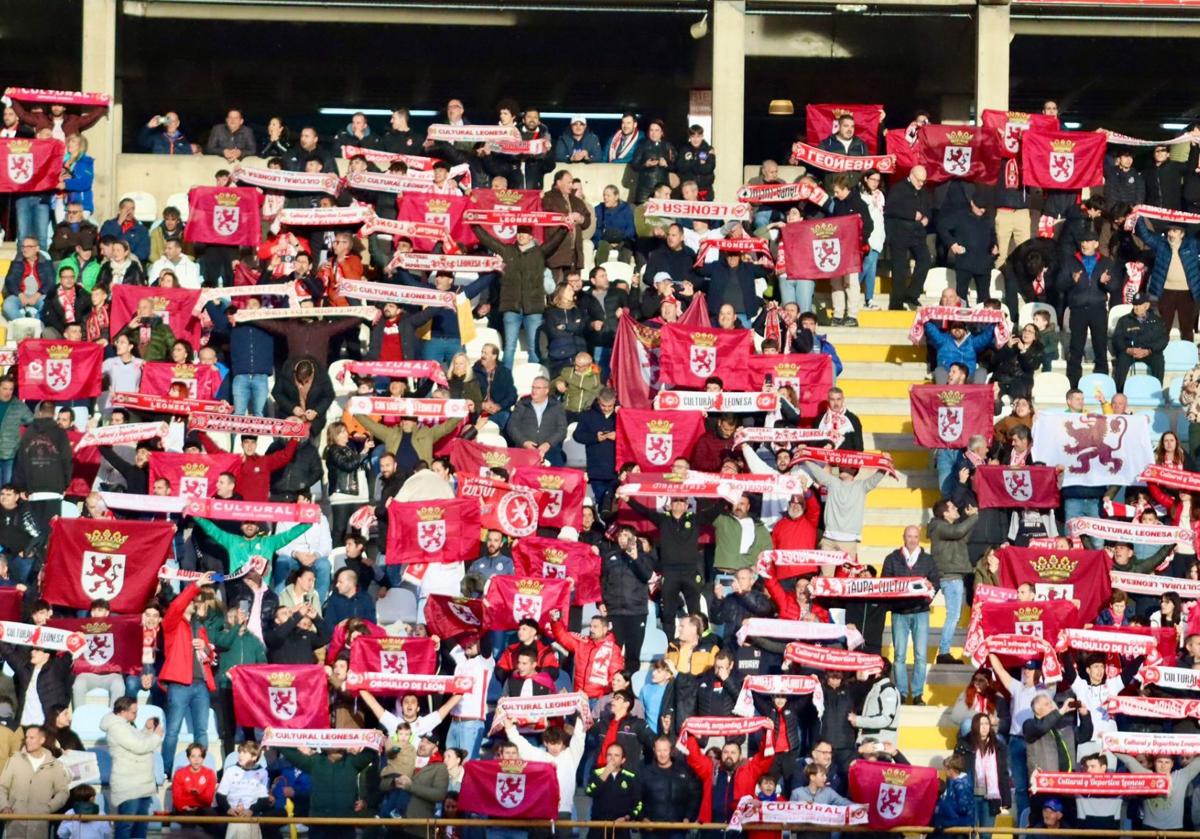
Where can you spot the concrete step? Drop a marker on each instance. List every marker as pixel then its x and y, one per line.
pixel 891 421
pixel 896 518
pixel 893 387
pixel 891 498
pixel 868 350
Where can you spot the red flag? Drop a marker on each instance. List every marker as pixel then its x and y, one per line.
pixel 224 215
pixel 960 152
pixel 385 654
pixel 565 490
pixel 1041 619
pixel 453 617
pixel 471 458
pixel 1166 640
pixel 114 643
pixel 635 364
pixel 895 795
pixel 58 370
pixel 904 147
pixel 503 506
pixel 10 603
pixel 30 165
pixel 824 247
pixel 433 531
pixel 200 381
pixel 193 475
pixel 428 207
pixel 653 439
pixel 515 789
pixel 172 305
pixel 112 559
pixel 689 355
pixel 280 695
pixel 822 120
pixel 1008 127
pixel 511 200
pixel 510 600
pixel 557 559
pixel 1060 575
pixel 946 416
pixel 809 374
pixel 1025 487
pixel 1063 159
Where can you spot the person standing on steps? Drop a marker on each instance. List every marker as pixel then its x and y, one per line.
pixel 910 616
pixel 948 532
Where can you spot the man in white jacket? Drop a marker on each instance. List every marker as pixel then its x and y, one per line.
pixel 133 785
pixel 563 753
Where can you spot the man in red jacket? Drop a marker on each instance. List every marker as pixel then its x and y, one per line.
pixel 528 639
pixel 797 531
pixel 186 673
pixel 597 656
pixel 254 479
pixel 726 784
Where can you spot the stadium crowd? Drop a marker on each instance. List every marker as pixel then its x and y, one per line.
pixel 771 685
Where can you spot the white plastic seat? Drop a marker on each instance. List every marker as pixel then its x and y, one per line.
pixel 1180 356
pixel 618 271
pixel 22 328
pixel 1116 313
pixel 86 722
pixel 399 605
pixel 1027 309
pixel 937 280
pixel 1050 390
pixel 483 335
pixel 179 201
pixel 524 374
pixel 145 206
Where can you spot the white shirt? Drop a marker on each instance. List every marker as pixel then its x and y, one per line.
pixel 317 539
pixel 473 705
pixel 1094 697
pixel 122 376
pixel 31 712
pixel 186 270
pixel 1022 705
pixel 565 763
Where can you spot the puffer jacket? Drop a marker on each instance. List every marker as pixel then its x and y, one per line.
pixel 43 458
pixel 1189 255
pixel 880 713
pixel 625 582
pixel 28 790
pixel 17 415
pixel 342 464
pixel 522 289
pixel 649 177
pixel 564 330
pixel 595 661
pixel 132 751
pixel 1090 289
pixel 948 544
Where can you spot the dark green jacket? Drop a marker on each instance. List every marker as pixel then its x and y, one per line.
pixel 161 340
pixel 235 648
pixel 17 415
pixel 334 783
pixel 522 288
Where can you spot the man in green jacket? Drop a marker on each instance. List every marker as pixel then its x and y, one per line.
pixel 408 434
pixel 251 542
pixel 948 532
pixel 729 528
pixel 236 644
pixel 13 415
pixel 149 334
pixel 334 775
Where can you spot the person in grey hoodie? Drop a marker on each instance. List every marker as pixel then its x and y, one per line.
pixel 948 532
pixel 133 786
pixel 817 791
pixel 1165 812
pixel 845 503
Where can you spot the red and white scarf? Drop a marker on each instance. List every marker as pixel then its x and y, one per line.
pixel 831 658
pixel 1098 785
pixel 43 637
pixel 1160 214
pixel 265 290
pixel 621 144
pixel 159 504
pixel 835 424
pixel 1135 272
pixel 1172 476
pixel 364 312
pixel 846 459
pixel 402 683
pixel 529 709
pixel 1119 139
pixel 431 370
pixel 1125 644
pixel 701 727
pixel 791 685
pixel 703 210
pixel 1154 585
pixel 1157 743
pixel 752 811
pixel 1025 647
pixel 1154 707
pixel 797 557
pixel 983 594
pixel 221 509
pixel 59 97
pixel 742 244
pixel 472 133
pixel 780 435
pixel 454 263
pixel 533 147
pixel 834 162
pixel 321 217
pixel 790 630
pixel 399 228
pixel 168 404
pixel 285 181
pixel 404 295
pixel 390 182
pixel 1175 678
pixel 256 565
pixel 958 314
pixel 289 428
pixel 783 193
pixel 390 406
pixel 746 402
pixel 859 588
pixel 386 158
pixel 119 435
pixel 325 738
pixel 1050 543
pixel 1124 531
pixel 508 218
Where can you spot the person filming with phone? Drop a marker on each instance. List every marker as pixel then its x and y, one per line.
pixel 1051 737
pixel 132 786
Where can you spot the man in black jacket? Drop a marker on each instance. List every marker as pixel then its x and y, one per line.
pixel 676 259
pixel 309 148
pixel 20 534
pixel 906 217
pixel 1139 336
pixel 50 675
pixel 669 789
pixel 1122 183
pixel 698 162
pixel 616 792
pixel 970 241
pixel 43 463
pixel 625 585
pixel 400 138
pixel 846 290
pixel 1084 283
pixel 910 616
pixel 1031 271
pixel 1164 180
pixel 731 280
pixel 680 560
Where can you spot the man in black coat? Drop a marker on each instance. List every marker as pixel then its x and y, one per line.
pixel 43 463
pixel 1122 183
pixel 1139 336
pixel 304 372
pixel 910 616
pixel 52 674
pixel 1164 180
pixel 731 280
pixel 970 241
pixel 680 560
pixel 1085 283
pixel 1031 270
pixel 844 201
pixel 676 259
pixel 906 217
pixel 670 790
pixel 625 574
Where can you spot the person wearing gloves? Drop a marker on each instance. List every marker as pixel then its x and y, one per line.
pixel 133 785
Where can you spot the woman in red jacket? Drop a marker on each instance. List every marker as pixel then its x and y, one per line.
pixel 187 668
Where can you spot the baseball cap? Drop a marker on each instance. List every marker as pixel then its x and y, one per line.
pixel 1089 235
pixel 1032 665
pixel 1052 804
pixel 1140 298
pixel 578 118
pixel 662 277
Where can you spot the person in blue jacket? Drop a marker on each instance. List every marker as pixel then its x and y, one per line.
pixel 78 172
pixel 1166 246
pixel 251 358
pixel 578 145
pixel 958 345
pixel 161 135
pixel 496 385
pixel 956 804
pixel 597 431
pixel 125 226
pixel 614 228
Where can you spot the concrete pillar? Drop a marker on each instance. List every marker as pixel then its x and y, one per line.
pixel 728 94
pixel 99 75
pixel 992 37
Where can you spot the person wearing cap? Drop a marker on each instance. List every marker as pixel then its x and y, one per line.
pixel 1085 282
pixel 578 145
pixel 698 162
pixel 1164 179
pixel 1052 813
pixel 1140 336
pixel 1174 277
pixel 1122 183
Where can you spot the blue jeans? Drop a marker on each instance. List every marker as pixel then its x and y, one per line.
pixel 1019 769
pixel 284 565
pixel 513 322
pixel 952 591
pixel 983 815
pixel 250 394
pixel 943 461
pixel 132 807
pixel 466 735
pixel 903 626
pixel 13 308
pixel 33 219
pixel 1074 508
pixel 799 292
pixel 441 350
pixel 191 701
pixel 866 274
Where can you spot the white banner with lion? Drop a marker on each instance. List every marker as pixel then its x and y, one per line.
pixel 1094 449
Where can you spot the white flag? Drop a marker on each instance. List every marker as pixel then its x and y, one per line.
pixel 1094 449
